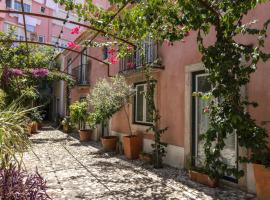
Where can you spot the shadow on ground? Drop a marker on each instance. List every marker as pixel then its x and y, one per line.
pixel 129 180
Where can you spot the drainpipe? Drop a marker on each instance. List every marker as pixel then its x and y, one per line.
pixel 62 88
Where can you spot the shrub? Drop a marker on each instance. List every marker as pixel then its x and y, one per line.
pixel 79 113
pixel 13 140
pixel 107 98
pixel 17 184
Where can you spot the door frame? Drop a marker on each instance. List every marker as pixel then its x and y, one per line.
pixel 188 130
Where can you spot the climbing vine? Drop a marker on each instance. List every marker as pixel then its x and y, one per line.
pixel 228 62
pixel 158 146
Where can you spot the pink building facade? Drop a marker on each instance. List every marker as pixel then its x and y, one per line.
pixel 39 29
pixel 180 73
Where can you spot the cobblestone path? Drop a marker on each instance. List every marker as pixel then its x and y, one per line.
pixel 75 170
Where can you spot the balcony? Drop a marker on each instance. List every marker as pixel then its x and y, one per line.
pixel 140 58
pixel 81 74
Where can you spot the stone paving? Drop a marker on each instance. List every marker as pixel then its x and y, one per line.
pixel 75 170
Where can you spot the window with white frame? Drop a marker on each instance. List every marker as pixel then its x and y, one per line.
pixel 141 110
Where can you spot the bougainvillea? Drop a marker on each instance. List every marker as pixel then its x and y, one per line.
pixel 73 45
pixel 112 56
pixel 75 30
pixel 40 72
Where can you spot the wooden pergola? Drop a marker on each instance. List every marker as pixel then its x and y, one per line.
pixel 65 20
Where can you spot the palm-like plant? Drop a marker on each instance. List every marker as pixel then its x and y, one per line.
pixel 13 137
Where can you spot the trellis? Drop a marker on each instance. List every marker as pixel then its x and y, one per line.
pixel 65 20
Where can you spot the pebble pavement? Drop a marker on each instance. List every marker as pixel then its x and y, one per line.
pixel 75 170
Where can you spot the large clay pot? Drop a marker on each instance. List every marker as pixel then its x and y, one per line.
pixel 109 143
pixel 202 178
pixel 34 127
pixel 262 177
pixel 85 135
pixel 132 146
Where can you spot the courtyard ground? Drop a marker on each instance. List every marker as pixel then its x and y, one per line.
pixel 75 170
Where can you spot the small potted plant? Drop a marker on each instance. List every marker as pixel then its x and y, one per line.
pixel 67 124
pixel 200 175
pixel 36 118
pixel 107 98
pixel 79 114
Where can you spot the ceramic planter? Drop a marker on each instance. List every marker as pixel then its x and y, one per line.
pixel 262 177
pixel 132 146
pixel 109 143
pixel 202 178
pixel 85 135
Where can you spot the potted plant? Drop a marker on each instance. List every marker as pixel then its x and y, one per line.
pixel 200 176
pixel 261 166
pixel 67 124
pixel 79 115
pixel 107 98
pixel 36 118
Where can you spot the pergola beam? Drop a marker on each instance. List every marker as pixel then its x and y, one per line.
pixel 52 45
pixel 68 21
pixel 25 31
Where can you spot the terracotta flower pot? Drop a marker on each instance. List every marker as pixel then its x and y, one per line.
pixel 65 129
pixel 85 135
pixel 34 127
pixel 202 178
pixel 262 177
pixel 132 146
pixel 109 143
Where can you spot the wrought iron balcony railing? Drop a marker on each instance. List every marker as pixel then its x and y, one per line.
pixel 140 58
pixel 82 74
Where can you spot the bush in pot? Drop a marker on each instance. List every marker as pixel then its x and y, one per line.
pixel 107 98
pixel 79 114
pixel 67 124
pixel 36 119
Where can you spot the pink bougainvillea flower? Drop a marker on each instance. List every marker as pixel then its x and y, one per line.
pixel 130 48
pixel 40 72
pixel 206 110
pixel 112 51
pixel 113 60
pixel 73 45
pixel 131 65
pixel 16 72
pixel 75 30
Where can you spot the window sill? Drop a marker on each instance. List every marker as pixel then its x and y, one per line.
pixel 142 124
